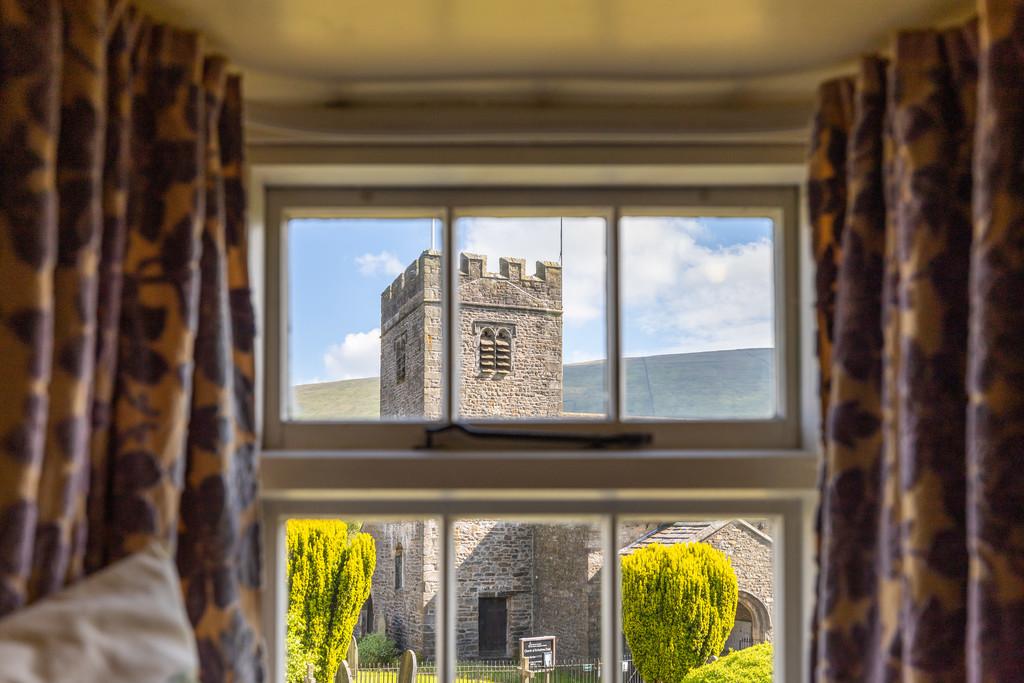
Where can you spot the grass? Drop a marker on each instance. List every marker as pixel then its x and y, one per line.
pixel 749 665
pixel 711 385
pixel 344 399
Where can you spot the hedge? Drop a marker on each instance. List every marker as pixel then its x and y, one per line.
pixel 750 665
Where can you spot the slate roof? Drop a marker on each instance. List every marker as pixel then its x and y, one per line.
pixel 688 532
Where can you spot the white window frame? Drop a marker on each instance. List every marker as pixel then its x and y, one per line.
pixel 317 477
pixel 449 204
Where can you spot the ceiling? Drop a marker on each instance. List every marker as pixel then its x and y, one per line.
pixel 625 52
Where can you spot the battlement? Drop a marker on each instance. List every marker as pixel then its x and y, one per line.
pixel 421 280
pixel 545 283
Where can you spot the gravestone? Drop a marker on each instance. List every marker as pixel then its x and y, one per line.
pixel 407 667
pixel 352 657
pixel 344 674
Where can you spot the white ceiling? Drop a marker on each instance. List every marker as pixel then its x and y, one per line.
pixel 723 52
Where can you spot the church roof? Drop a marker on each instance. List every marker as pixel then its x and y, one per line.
pixel 688 532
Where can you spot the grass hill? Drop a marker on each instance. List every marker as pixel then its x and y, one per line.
pixel 346 399
pixel 709 385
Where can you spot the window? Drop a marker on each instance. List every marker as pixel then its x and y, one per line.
pixel 399 568
pixel 735 462
pixel 495 350
pixel 503 351
pixel 661 314
pixel 487 354
pixel 400 359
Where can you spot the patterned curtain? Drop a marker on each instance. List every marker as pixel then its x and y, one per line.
pixel 126 329
pixel 916 197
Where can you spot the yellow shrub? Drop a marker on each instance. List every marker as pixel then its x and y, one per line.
pixel 678 607
pixel 329 577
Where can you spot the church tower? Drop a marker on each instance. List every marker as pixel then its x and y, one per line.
pixel 510 346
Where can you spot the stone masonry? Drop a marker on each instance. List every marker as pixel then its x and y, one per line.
pixel 510 304
pixel 410 323
pixel 549 575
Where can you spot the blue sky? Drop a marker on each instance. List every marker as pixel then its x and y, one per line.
pixel 687 284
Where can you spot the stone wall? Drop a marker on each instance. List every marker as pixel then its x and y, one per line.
pixel 561 604
pixel 410 310
pixel 529 308
pixel 493 559
pixel 403 614
pixel 750 552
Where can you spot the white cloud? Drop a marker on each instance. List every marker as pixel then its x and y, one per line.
pixel 695 297
pixel 358 355
pixel 533 239
pixel 691 297
pixel 384 263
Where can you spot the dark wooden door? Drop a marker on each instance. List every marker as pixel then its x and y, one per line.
pixel 493 627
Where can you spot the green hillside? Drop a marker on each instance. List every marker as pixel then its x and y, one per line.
pixel 710 385
pixel 347 399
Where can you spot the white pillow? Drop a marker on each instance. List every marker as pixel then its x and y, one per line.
pixel 125 624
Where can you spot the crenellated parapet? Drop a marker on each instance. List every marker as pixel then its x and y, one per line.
pixel 544 286
pixel 421 282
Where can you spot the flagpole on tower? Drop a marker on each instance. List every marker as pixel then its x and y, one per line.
pixel 560 242
pixel 431 234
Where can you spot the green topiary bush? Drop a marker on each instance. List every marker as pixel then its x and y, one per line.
pixel 750 665
pixel 678 607
pixel 329 573
pixel 376 649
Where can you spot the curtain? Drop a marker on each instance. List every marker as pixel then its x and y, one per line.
pixel 916 198
pixel 126 328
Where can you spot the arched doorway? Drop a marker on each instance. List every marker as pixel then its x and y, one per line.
pixel 742 634
pixel 752 625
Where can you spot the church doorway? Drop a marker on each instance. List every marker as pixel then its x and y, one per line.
pixel 493 627
pixel 742 634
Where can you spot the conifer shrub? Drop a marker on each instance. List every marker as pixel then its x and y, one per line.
pixel 329 574
pixel 678 607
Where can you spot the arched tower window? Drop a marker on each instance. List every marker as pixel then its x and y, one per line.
pixel 399 568
pixel 487 355
pixel 503 351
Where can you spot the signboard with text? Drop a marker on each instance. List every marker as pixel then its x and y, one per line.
pixel 538 651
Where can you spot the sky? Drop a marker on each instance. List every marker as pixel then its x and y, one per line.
pixel 688 284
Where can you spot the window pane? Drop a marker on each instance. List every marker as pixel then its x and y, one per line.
pixel 366 334
pixel 735 625
pixel 698 318
pixel 391 576
pixel 527 587
pixel 531 294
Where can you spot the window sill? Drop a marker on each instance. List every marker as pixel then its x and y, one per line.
pixel 577 473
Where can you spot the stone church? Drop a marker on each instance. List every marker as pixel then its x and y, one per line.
pixel 513 579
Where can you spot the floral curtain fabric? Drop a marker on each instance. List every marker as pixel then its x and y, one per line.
pixel 126 328
pixel 916 198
